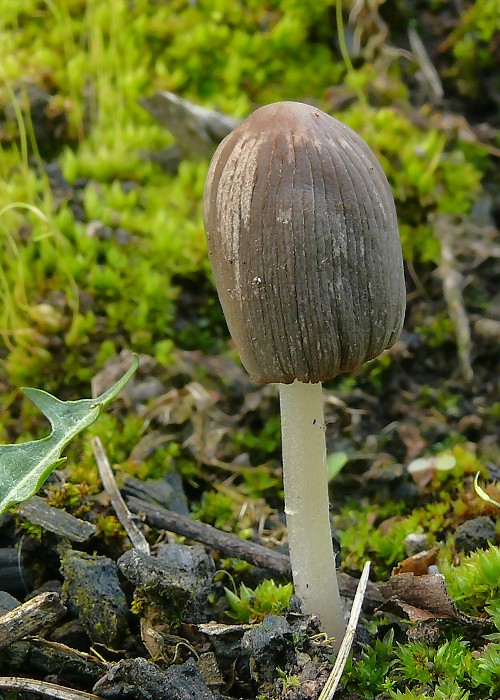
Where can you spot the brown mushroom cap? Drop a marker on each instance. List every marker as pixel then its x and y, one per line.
pixel 304 245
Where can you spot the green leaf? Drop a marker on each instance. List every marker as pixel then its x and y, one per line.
pixel 25 467
pixel 335 462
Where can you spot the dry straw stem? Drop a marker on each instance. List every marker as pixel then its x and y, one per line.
pixel 122 512
pixel 336 674
pixel 453 282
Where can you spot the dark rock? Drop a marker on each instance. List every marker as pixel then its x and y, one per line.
pixel 268 645
pixel 225 639
pixel 68 665
pixel 475 534
pixel 59 185
pixel 295 605
pixel 13 577
pixel 91 588
pixel 7 602
pixel 139 679
pixel 80 183
pixel 189 559
pixel 96 229
pixel 415 542
pixel 186 681
pixel 48 119
pixel 122 236
pixel 406 491
pixel 493 471
pixel 269 640
pixel 78 210
pixel 72 634
pixel 180 575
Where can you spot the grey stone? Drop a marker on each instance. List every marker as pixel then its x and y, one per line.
pixel 475 534
pixel 268 640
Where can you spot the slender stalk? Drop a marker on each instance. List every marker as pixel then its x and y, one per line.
pixel 307 506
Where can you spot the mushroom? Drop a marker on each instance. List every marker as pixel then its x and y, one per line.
pixel 303 241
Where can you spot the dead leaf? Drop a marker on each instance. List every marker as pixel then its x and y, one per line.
pixel 417 564
pixel 426 597
pixel 412 439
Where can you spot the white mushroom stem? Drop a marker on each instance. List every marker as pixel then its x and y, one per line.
pixel 307 504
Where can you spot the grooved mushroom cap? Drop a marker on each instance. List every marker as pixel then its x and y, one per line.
pixel 304 245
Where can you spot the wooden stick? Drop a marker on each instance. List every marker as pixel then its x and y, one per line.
pixel 30 617
pixel 229 545
pixel 50 690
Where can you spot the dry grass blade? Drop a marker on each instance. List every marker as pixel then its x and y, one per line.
pixel 452 281
pixel 49 690
pixel 426 66
pixel 334 679
pixel 122 512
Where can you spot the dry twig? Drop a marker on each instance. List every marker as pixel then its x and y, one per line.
pixel 49 690
pixel 228 544
pixel 30 617
pixel 37 511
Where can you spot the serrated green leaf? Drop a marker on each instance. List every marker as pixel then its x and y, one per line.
pixel 25 467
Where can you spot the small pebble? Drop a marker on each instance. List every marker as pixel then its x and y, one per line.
pixel 415 542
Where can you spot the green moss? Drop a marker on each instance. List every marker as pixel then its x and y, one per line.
pixel 437 331
pixel 451 670
pixel 215 509
pixel 377 533
pixel 475 582
pixel 261 442
pixel 268 598
pixel 369 674
pixel 32 531
pixel 472 38
pixel 110 529
pixel 429 173
pixel 73 497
